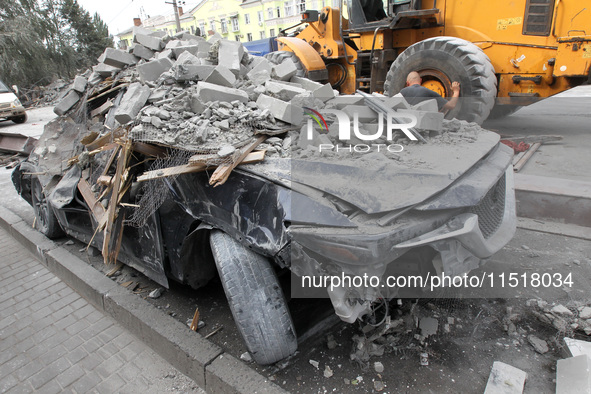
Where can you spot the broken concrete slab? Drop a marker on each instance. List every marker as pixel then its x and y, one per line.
pixel 132 102
pixel 157 95
pixel 186 58
pixel 282 91
pixel 428 326
pixel 153 69
pixel 306 83
pixel 427 105
pixel 142 52
pixel 179 50
pixel 165 53
pixel 172 44
pixel 285 70
pixel 425 120
pixel 576 347
pixel 222 76
pixel 280 109
pixel 79 84
pixel 505 379
pixel 538 344
pixel 365 114
pixel 192 72
pixel 209 92
pixel 573 375
pixel 230 55
pixel 186 36
pixel 118 58
pixel 141 30
pixel 67 103
pixel 397 102
pixel 324 92
pixel 105 70
pixel 341 102
pixel 197 105
pixel 150 42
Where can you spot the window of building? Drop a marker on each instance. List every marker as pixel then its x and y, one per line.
pixel 237 38
pixel 288 7
pixel 271 32
pixel 262 35
pixel 202 27
pixel 301 5
pixel 235 26
pixel 192 29
pixel 269 13
pixel 212 25
pixel 261 17
pixel 224 24
pixel 247 19
pixel 249 36
pixel 278 12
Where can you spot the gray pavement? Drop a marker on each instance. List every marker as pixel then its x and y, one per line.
pixel 52 340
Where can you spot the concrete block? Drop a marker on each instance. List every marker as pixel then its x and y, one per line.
pixel 262 67
pixel 152 70
pixel 324 93
pixel 105 70
pixel 260 77
pixel 80 84
pixel 186 36
pixel 280 109
pixel 197 105
pixel 341 102
pixel 209 92
pixel 230 55
pixel 365 114
pixel 427 105
pixel 150 42
pixel 157 95
pixel 282 91
pixel 425 120
pixel 192 49
pixel 141 30
pixel 577 348
pixel 204 47
pixel 67 103
pixel 118 58
pixel 215 38
pixel 306 83
pixel 573 375
pixel 505 379
pixel 172 44
pixel 132 102
pixel 397 102
pixel 160 34
pixel 222 76
pixel 142 52
pixel 285 70
pixel 94 78
pixel 192 72
pixel 187 58
pixel 226 374
pixel 165 53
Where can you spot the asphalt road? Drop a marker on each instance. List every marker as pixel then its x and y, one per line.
pixel 463 350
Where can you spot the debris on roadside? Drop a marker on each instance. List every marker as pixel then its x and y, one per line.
pixel 505 378
pixel 246 357
pixel 156 293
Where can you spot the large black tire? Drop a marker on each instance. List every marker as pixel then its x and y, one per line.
pixel 19 119
pixel 450 59
pixel 279 57
pixel 256 300
pixel 45 220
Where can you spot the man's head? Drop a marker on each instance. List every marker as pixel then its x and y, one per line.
pixel 413 78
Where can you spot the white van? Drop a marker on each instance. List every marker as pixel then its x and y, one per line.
pixel 10 106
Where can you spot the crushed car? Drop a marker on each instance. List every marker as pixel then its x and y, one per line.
pixel 183 177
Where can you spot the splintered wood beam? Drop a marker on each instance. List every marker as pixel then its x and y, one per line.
pixel 253 157
pixel 149 149
pixel 221 174
pixel 96 208
pixel 107 92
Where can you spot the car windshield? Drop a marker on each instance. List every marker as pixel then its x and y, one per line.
pixel 3 88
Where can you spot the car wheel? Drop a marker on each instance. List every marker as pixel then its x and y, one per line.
pixel 45 219
pixel 442 60
pixel 256 299
pixel 19 119
pixel 279 57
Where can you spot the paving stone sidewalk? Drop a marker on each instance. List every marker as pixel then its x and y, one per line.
pixel 53 341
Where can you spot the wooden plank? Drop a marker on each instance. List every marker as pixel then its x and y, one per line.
pixel 204 159
pixel 96 208
pixel 221 174
pixel 149 149
pixel 532 139
pixel 252 157
pixel 530 152
pixel 104 180
pixel 102 109
pixel 123 85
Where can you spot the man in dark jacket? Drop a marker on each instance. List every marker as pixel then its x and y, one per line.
pixel 414 93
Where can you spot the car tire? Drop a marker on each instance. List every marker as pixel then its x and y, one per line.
pixel 444 60
pixel 256 300
pixel 279 57
pixel 19 119
pixel 45 220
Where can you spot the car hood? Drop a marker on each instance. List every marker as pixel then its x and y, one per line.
pixel 7 98
pixel 376 184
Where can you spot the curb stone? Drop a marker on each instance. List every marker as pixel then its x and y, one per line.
pixel 206 363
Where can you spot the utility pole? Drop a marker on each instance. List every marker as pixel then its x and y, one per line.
pixel 176 14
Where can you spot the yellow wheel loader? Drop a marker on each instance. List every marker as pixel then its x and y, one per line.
pixel 505 53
